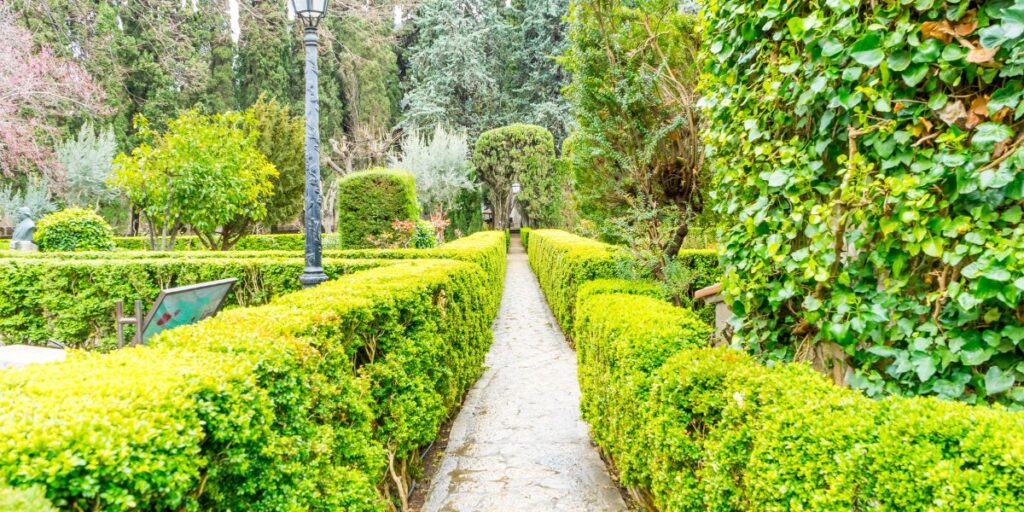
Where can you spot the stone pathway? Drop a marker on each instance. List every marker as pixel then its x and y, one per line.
pixel 519 443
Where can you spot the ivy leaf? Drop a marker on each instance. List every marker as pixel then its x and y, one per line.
pixel 868 51
pixel 998 381
pixel 777 179
pixel 811 303
pixel 998 274
pixel 914 74
pixel 933 247
pixel 899 61
pixel 925 367
pixel 988 134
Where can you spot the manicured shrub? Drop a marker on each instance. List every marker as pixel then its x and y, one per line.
pixel 296 405
pixel 620 340
pixel 370 201
pixel 72 301
pixel 563 262
pixel 293 242
pixel 524 154
pixel 876 204
pixel 695 428
pixel 524 237
pixel 74 229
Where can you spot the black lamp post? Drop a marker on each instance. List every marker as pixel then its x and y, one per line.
pixel 309 13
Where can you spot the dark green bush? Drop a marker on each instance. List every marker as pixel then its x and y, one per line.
pixel 74 229
pixel 868 156
pixel 524 237
pixel 370 201
pixel 523 154
pixel 295 405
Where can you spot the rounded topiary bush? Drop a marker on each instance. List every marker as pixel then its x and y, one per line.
pixel 74 229
pixel 369 202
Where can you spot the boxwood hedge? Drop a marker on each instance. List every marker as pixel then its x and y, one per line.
pixel 284 242
pixel 697 428
pixel 563 262
pixel 311 402
pixel 72 301
pixel 69 297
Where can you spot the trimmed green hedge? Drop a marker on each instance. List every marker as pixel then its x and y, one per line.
pixel 72 301
pixel 620 339
pixel 70 297
pixel 563 262
pixel 694 428
pixel 296 405
pixel 282 242
pixel 524 237
pixel 370 201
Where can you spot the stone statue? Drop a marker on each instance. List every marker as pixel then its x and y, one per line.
pixel 22 238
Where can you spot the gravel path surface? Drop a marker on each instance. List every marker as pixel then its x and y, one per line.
pixel 518 443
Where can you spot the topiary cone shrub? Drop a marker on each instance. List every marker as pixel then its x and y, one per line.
pixel 370 201
pixel 74 229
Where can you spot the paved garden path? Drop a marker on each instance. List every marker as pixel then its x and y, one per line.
pixel 519 443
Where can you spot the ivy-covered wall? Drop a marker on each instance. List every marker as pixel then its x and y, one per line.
pixel 866 154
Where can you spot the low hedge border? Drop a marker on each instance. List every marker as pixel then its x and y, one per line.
pixel 70 297
pixel 563 262
pixel 307 403
pixel 72 301
pixel 696 428
pixel 281 242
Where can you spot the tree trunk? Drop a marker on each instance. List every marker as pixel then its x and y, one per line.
pixel 673 247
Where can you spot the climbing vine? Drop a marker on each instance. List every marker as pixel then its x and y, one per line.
pixel 868 156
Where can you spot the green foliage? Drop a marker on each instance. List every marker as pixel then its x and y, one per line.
pixel 869 154
pixel 87 165
pixel 467 217
pixel 521 154
pixel 71 300
pixel 295 405
pixel 292 242
pixel 440 164
pixel 204 172
pixel 620 340
pixel 524 237
pixel 30 499
pixel 563 262
pixel 282 139
pixel 478 65
pixel 696 428
pixel 370 201
pixel 636 153
pixel 74 229
pixel 35 196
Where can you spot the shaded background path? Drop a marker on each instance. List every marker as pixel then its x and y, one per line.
pixel 518 443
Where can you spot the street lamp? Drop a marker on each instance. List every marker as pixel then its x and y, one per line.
pixel 309 13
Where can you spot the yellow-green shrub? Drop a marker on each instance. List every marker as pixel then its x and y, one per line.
pixel 294 405
pixel 70 297
pixel 286 242
pixel 620 340
pixel 563 262
pixel 697 428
